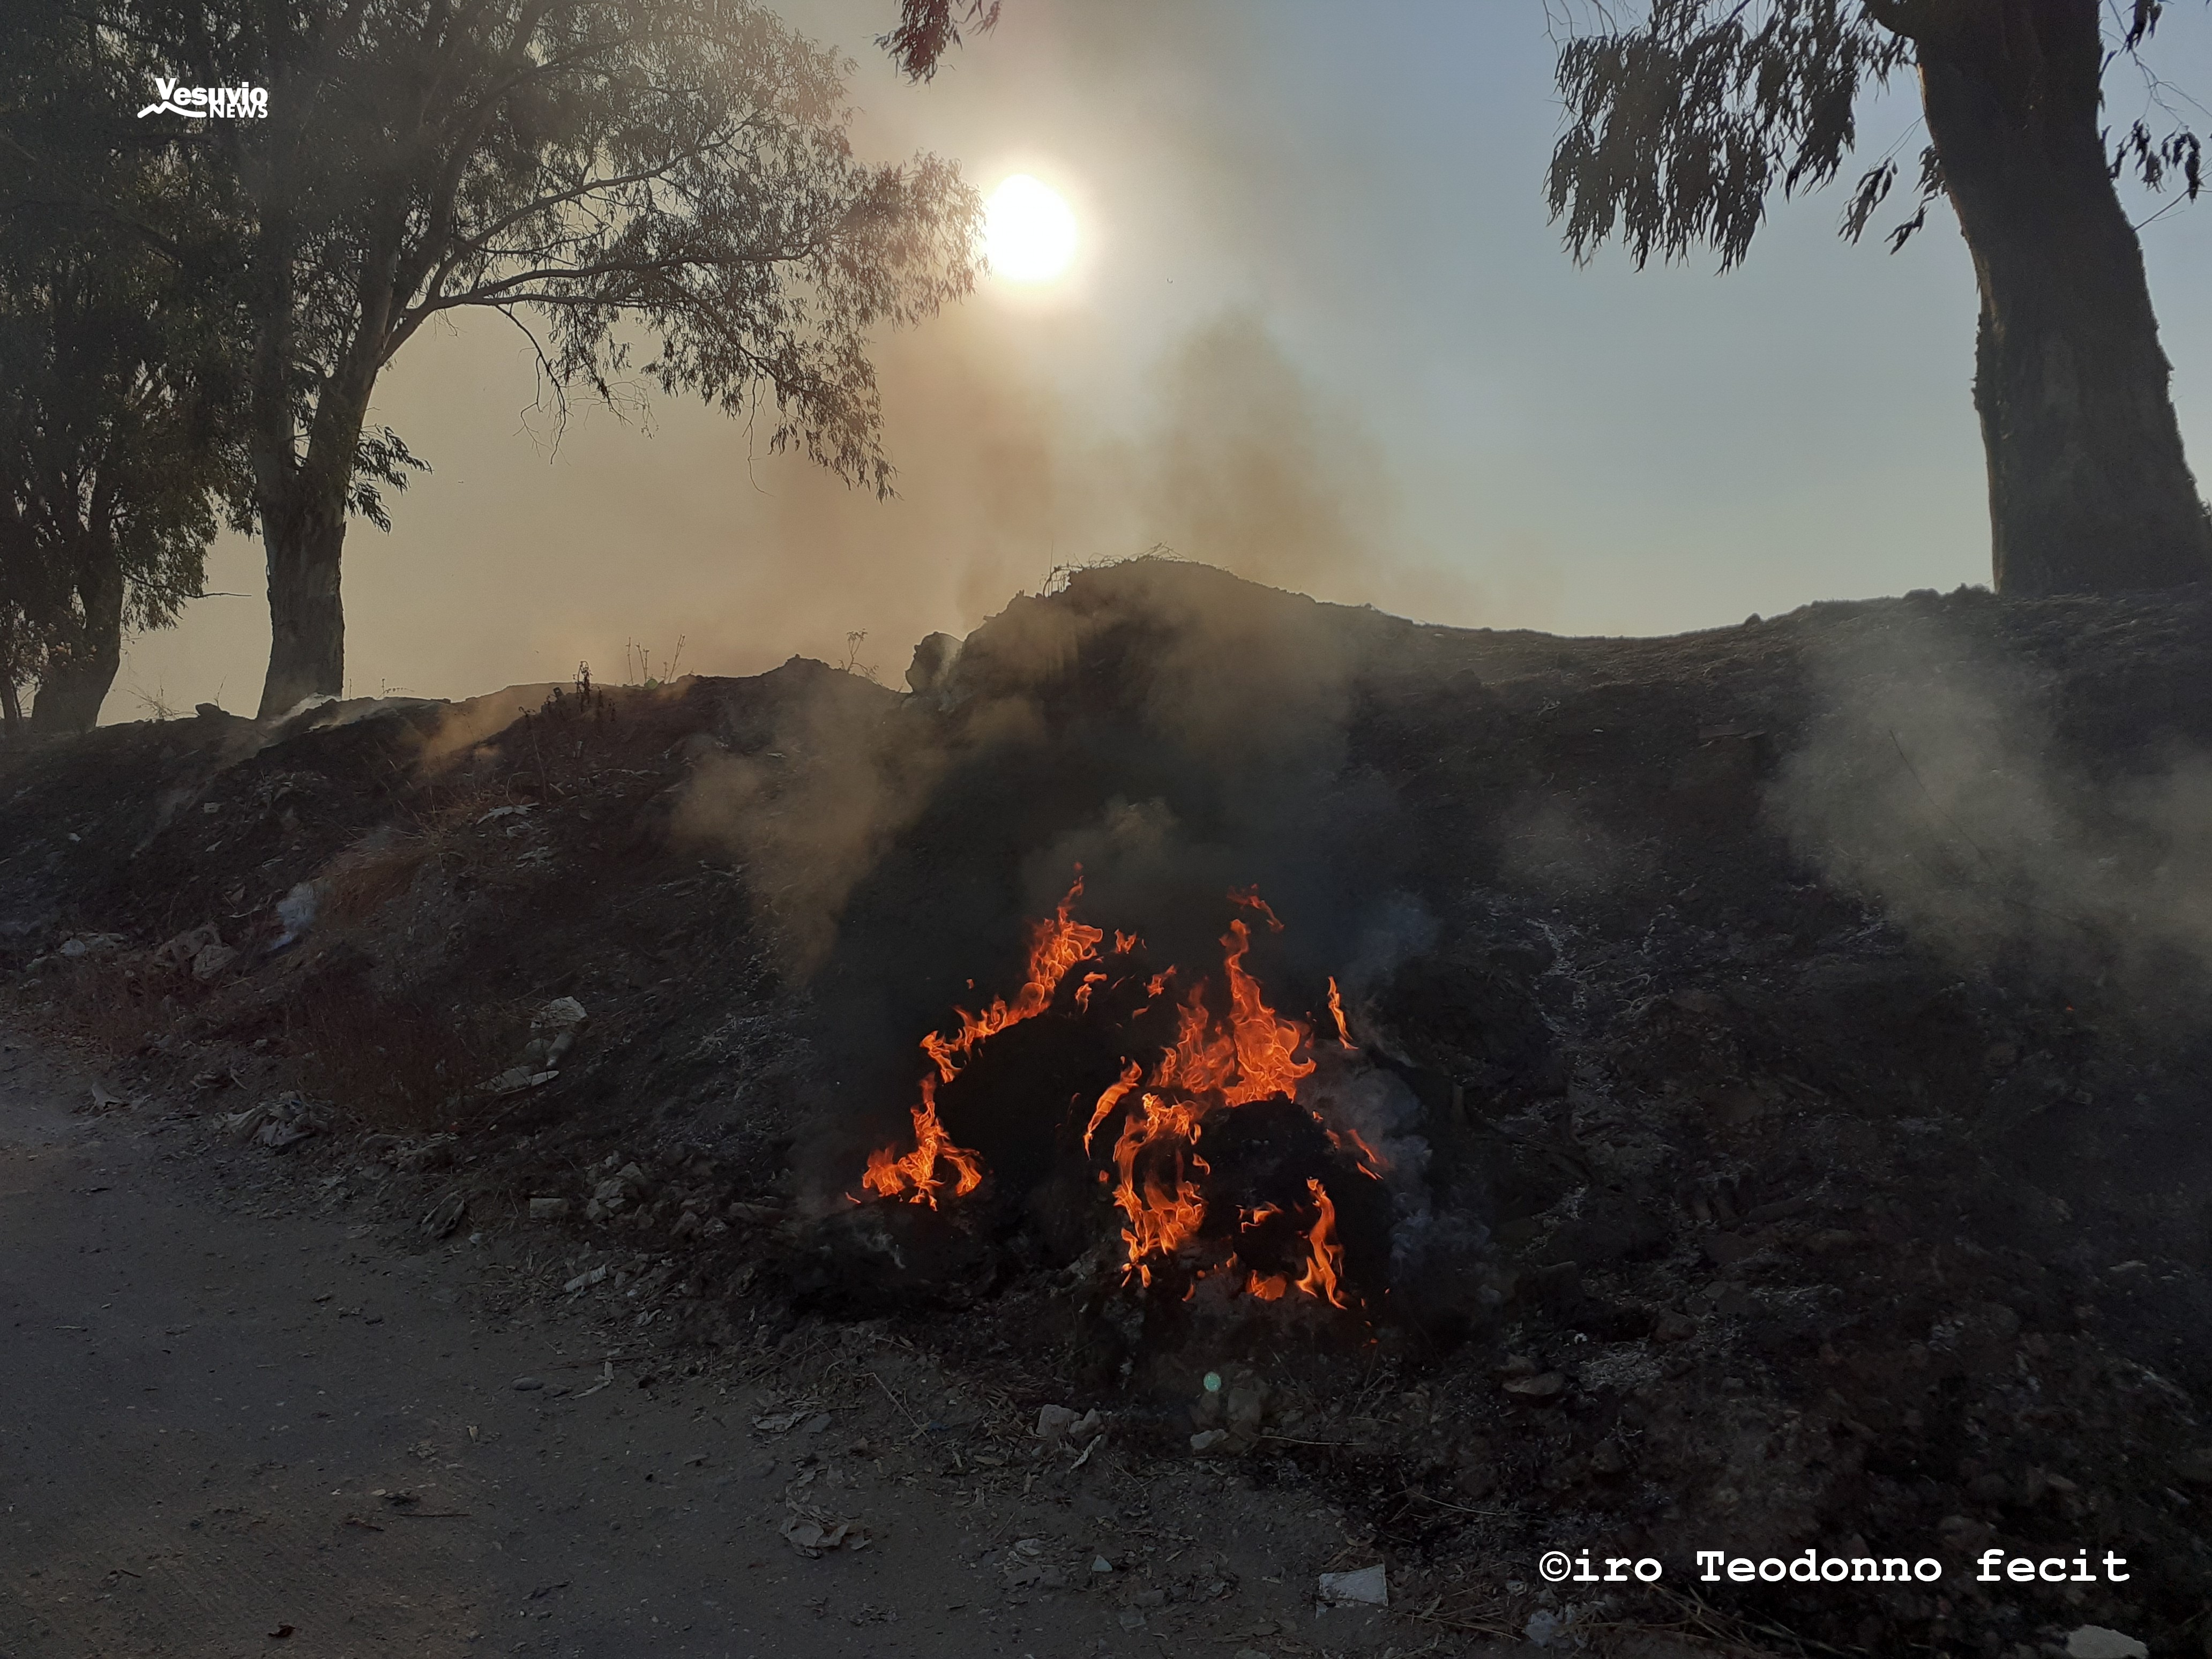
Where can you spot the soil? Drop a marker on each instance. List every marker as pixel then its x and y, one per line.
pixel 1795 1034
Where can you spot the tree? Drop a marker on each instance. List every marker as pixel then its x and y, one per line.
pixel 660 189
pixel 1681 127
pixel 927 29
pixel 112 463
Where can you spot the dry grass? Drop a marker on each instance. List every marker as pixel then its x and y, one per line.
pixel 113 1005
pixel 365 884
pixel 397 1065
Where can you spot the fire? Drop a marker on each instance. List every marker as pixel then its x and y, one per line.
pixel 1056 947
pixel 1231 1049
pixel 1325 1272
pixel 915 1174
pixel 1336 1012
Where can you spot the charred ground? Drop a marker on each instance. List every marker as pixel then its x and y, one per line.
pixel 1808 1020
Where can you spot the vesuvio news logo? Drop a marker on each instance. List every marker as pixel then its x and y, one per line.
pixel 220 103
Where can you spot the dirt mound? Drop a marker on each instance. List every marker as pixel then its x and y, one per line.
pixel 1796 1031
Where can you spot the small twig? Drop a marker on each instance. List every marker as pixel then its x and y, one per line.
pixel 895 1400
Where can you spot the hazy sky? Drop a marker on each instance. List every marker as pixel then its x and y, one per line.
pixel 1319 331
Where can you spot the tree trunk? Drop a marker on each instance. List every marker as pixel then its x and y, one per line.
pixel 77 680
pixel 307 618
pixel 2089 490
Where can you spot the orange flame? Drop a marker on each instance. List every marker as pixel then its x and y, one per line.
pixel 1336 1010
pixel 1055 947
pixel 1370 1160
pixel 1255 1056
pixel 1324 1273
pixel 1132 1075
pixel 916 1173
pixel 1216 1063
pixel 1160 1218
pixel 1252 901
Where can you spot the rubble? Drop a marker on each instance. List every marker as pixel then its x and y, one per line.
pixel 1367 1586
pixel 1732 1196
pixel 2096 1642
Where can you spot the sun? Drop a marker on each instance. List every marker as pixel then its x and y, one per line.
pixel 1028 231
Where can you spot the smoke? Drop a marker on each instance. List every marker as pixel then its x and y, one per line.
pixel 809 807
pixel 1937 781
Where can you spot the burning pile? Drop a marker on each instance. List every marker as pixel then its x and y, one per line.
pixel 1218 1169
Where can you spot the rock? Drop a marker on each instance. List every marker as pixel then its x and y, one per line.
pixel 441 1218
pixel 812 1538
pixel 1100 1564
pixel 1206 1439
pixel 1674 1327
pixel 277 1135
pixel 2096 1642
pixel 1247 1407
pixel 548 1209
pixel 1726 1249
pixel 180 951
pixel 296 911
pixel 561 1014
pixel 1545 1626
pixel 686 1224
pixel 211 960
pixel 933 662
pixel 1054 1422
pixel 1963 1535
pixel 585 1279
pixel 1149 1598
pixel 556 1026
pixel 527 1384
pixel 1538 1390
pixel 424 1155
pixel 1087 1428
pixel 1367 1588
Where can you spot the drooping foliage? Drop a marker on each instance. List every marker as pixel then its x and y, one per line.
pixel 927 29
pixel 1685 117
pixel 115 460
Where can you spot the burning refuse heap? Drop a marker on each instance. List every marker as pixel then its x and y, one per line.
pixel 1222 1170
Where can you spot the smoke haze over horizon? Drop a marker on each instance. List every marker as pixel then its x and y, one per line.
pixel 1319 333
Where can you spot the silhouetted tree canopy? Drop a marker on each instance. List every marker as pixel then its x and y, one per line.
pixel 927 29
pixel 114 460
pixel 651 191
pixel 1686 117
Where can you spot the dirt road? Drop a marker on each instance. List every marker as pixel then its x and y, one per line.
pixel 234 1421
